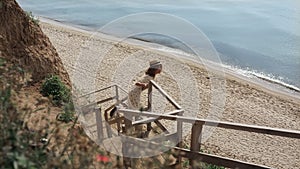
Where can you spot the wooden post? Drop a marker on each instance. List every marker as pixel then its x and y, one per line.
pixel 117 93
pixel 126 146
pixel 195 140
pixel 118 101
pixel 119 125
pixel 126 160
pixel 99 124
pixel 108 127
pixel 179 136
pixel 149 104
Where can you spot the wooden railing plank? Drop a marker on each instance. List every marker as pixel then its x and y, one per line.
pixel 160 138
pixel 151 119
pixel 219 161
pixel 116 120
pixel 227 125
pixel 169 98
pixel 105 100
pixel 92 105
pixel 96 91
pixel 201 157
pixel 162 127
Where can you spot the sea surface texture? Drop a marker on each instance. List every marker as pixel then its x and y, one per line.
pixel 257 37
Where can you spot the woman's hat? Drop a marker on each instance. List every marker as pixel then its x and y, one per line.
pixel 155 64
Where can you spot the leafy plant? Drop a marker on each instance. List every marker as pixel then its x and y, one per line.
pixel 211 166
pixel 55 89
pixel 61 95
pixel 34 19
pixel 68 114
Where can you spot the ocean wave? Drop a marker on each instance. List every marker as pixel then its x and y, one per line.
pixel 267 77
pixel 246 72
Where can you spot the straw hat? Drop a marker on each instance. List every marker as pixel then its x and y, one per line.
pixel 155 64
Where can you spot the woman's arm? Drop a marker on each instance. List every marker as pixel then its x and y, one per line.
pixel 143 85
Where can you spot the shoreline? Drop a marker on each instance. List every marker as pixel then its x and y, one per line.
pixel 247 101
pixel 264 83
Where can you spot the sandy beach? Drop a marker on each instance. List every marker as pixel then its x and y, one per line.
pixel 94 62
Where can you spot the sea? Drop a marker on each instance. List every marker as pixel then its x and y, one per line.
pixel 256 38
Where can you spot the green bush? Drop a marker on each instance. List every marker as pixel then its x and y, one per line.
pixel 68 114
pixel 55 89
pixel 211 166
pixel 61 96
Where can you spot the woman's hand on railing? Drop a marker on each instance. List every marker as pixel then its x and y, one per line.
pixel 143 85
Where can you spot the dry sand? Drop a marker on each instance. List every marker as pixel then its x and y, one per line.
pixel 97 61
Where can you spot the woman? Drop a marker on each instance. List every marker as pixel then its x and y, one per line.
pixel 134 94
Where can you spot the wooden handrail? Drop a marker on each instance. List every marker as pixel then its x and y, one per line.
pixel 99 90
pixel 152 119
pixel 203 157
pixel 96 91
pixel 169 98
pixel 227 125
pixel 218 160
pixel 98 102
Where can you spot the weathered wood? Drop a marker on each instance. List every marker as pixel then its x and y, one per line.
pixel 150 119
pixel 126 146
pixel 106 111
pixel 162 127
pixel 201 157
pixel 149 104
pixel 108 128
pixel 149 107
pixel 95 104
pixel 169 98
pixel 196 136
pixel 192 154
pixel 217 160
pixel 116 120
pixel 96 91
pixel 119 127
pixel 117 92
pixel 195 140
pixel 160 138
pixel 179 136
pixel 227 125
pixel 99 125
pixel 106 100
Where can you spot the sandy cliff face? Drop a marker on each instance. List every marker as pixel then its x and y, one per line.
pixel 23 42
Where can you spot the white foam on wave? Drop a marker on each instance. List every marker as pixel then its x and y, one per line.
pixel 277 80
pixel 248 72
pixel 268 77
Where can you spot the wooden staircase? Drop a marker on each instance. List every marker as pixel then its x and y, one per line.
pixel 108 129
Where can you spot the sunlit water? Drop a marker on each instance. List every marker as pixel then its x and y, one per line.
pixel 261 37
